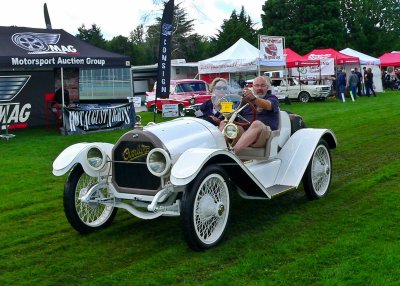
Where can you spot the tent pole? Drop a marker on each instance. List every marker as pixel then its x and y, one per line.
pixel 62 96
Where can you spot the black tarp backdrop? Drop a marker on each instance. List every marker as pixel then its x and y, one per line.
pixel 35 54
pixel 23 47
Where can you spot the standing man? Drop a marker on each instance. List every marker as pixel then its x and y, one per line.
pixel 342 85
pixel 364 78
pixel 359 84
pixel 369 83
pixel 352 83
pixel 267 118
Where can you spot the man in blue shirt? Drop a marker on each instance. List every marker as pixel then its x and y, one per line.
pixel 267 117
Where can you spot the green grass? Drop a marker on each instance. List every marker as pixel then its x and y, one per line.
pixel 350 237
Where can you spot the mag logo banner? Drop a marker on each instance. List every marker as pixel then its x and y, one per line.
pixel 272 48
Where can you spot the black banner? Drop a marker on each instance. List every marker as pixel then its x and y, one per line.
pixel 89 118
pixel 164 53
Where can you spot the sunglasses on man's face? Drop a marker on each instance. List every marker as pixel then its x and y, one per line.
pixel 221 88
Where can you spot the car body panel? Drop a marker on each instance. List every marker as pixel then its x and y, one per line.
pixel 76 154
pixel 181 92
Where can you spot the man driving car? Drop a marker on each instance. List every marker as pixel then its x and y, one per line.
pixel 267 116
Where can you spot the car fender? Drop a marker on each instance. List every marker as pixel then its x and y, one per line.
pixel 297 152
pixel 76 154
pixel 191 162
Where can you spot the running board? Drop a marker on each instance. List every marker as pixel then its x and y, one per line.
pixel 277 190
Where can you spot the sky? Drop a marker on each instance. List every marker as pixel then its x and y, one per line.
pixel 120 17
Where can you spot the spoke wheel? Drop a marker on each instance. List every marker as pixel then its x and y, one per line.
pixel 317 177
pixel 181 111
pixel 304 97
pixel 82 216
pixel 205 208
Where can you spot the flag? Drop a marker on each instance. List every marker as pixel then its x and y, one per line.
pixel 164 52
pixel 46 17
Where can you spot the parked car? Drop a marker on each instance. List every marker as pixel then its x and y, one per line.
pixel 292 89
pixel 189 94
pixel 186 167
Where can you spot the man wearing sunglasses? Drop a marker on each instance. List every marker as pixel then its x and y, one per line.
pixel 267 116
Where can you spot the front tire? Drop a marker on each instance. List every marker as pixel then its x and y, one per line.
pixel 304 97
pixel 181 111
pixel 317 178
pixel 85 217
pixel 205 208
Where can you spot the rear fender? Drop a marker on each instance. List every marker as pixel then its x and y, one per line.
pixel 77 154
pixel 296 154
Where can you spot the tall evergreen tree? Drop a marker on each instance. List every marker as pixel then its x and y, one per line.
pixel 92 36
pixel 236 27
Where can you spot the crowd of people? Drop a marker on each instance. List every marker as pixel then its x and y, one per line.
pixel 391 79
pixel 356 83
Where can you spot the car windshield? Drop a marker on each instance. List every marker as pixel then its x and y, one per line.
pixel 191 87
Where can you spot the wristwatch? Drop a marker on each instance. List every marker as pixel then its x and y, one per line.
pixel 255 97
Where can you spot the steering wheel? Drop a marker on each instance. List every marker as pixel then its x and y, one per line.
pixel 253 109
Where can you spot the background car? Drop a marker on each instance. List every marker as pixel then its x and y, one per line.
pixel 186 93
pixel 291 88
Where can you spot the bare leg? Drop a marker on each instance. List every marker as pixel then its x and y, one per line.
pixel 250 136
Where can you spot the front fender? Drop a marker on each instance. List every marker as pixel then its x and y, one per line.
pixel 191 162
pixel 77 154
pixel 296 154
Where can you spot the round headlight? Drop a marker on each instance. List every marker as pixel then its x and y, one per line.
pixel 231 131
pixel 192 101
pixel 95 158
pixel 158 162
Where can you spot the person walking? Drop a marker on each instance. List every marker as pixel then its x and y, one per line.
pixel 342 85
pixel 352 83
pixel 359 84
pixel 369 83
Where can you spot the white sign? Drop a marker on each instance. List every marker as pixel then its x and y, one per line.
pixel 137 101
pixel 327 67
pixel 170 110
pixel 272 49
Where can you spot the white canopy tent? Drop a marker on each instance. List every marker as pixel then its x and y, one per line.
pixel 368 62
pixel 240 57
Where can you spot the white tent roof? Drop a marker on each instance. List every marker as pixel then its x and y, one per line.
pixel 364 59
pixel 240 57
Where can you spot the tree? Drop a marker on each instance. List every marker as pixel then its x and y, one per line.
pixel 92 36
pixel 236 27
pixel 372 26
pixel 185 43
pixel 306 24
pixel 121 45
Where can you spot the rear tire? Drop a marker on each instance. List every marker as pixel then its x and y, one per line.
pixel 317 178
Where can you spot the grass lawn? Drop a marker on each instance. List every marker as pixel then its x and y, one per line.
pixel 349 237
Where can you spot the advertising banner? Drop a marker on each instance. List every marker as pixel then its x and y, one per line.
pixel 326 67
pixel 164 53
pixel 87 118
pixel 271 50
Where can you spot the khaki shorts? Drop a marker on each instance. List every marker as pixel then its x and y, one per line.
pixel 262 139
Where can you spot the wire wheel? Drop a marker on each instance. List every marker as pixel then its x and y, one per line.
pixel 206 208
pixel 319 172
pixel 85 217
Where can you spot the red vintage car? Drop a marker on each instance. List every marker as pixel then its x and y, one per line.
pixel 189 94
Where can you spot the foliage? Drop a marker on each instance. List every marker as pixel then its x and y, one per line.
pixel 306 24
pixel 336 240
pixel 92 36
pixel 120 45
pixel 236 27
pixel 372 26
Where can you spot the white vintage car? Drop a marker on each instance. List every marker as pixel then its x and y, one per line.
pixel 186 167
pixel 290 88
